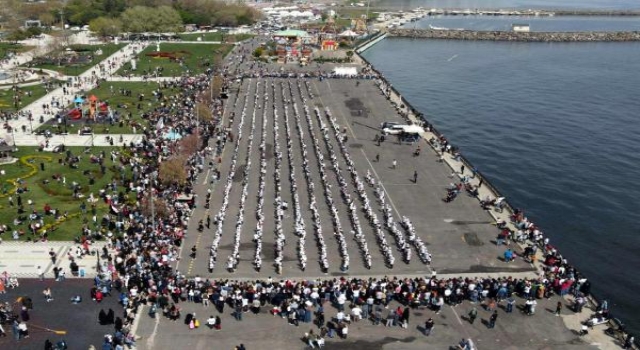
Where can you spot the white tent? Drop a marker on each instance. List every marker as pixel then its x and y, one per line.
pixel 348 33
pixel 345 71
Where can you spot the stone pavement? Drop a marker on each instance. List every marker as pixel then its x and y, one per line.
pixel 263 331
pixel 22 259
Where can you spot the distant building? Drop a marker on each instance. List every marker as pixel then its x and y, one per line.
pixel 30 23
pixel 520 28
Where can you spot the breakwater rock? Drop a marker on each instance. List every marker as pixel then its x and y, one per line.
pixel 515 36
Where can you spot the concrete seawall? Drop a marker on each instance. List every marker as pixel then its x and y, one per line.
pixel 516 36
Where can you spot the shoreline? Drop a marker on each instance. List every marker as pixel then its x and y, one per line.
pixel 472 35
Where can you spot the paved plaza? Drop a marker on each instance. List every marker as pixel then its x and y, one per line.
pixel 459 234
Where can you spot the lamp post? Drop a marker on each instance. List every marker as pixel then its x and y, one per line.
pixel 13 135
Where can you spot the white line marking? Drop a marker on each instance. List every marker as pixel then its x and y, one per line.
pixel 381 184
pixel 455 313
pixel 206 177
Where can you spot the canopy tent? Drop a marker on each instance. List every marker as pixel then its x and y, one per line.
pixel 348 34
pixel 345 71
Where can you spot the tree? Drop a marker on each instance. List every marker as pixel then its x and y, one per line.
pixel 258 52
pixel 140 19
pixel 173 170
pixel 105 27
pixel 166 19
pixel 189 145
pixel 204 112
pixel 47 18
pixel 216 86
pixel 350 55
pixel 159 208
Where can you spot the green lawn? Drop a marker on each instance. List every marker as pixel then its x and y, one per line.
pixel 77 69
pixel 5 48
pixel 109 92
pixel 217 36
pixel 196 59
pixel 44 189
pixel 7 97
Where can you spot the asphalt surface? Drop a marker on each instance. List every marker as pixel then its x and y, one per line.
pixel 80 321
pixel 459 234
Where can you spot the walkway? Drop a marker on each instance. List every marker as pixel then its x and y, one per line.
pixel 84 82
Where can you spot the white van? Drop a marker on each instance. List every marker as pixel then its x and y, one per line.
pixel 399 129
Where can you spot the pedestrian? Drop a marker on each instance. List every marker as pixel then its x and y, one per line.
pixel 394 164
pixel 510 302
pixel 480 182
pixel 378 158
pixel 473 314
pixel 462 170
pixel 558 308
pixel 47 294
pixel 428 326
pixel 40 273
pixel 493 318
pixel 415 176
pixel 52 255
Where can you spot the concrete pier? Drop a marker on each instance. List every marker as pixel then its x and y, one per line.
pixel 516 36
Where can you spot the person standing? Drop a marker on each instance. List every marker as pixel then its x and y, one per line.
pixel 428 326
pixel 493 318
pixel 510 302
pixel 558 308
pixel 378 158
pixel 40 273
pixel 473 314
pixel 415 176
pixel 394 164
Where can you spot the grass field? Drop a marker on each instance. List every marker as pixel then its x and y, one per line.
pixel 43 189
pixel 7 95
pixel 6 48
pixel 109 92
pixel 196 59
pixel 77 69
pixel 215 36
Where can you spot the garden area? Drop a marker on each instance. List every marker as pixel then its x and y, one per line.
pixel 223 37
pixel 56 194
pixel 75 59
pixel 13 99
pixel 12 48
pixel 176 59
pixel 127 100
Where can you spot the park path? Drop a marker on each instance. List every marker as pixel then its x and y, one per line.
pixel 84 82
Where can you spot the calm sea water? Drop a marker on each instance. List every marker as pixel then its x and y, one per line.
pixel 537 24
pixel 515 4
pixel 554 127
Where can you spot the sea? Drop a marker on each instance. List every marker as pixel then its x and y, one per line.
pixel 554 126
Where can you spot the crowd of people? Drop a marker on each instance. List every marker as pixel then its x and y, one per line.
pixel 291 95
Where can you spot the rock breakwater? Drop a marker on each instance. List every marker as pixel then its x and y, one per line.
pixel 516 36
